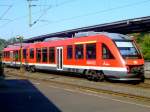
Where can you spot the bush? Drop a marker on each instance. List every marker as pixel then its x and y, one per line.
pixel 143 40
pixel 146 47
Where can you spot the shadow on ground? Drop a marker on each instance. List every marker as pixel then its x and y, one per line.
pixel 22 96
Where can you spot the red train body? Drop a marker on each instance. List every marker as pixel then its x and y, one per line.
pixel 97 55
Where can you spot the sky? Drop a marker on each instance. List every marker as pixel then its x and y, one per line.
pixel 50 16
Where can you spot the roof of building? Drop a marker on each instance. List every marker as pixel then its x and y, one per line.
pixel 141 24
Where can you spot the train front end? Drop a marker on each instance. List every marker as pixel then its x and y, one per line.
pixel 132 58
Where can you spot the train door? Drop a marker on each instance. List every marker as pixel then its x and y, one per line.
pixel 59 58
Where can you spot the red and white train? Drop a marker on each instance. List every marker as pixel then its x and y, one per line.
pixel 97 55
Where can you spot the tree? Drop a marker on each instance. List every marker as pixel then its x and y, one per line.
pixel 3 43
pixel 143 40
pixel 146 46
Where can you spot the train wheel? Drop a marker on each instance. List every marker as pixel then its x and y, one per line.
pixel 100 76
pixel 32 69
pixel 94 75
pixel 88 75
pixel 27 68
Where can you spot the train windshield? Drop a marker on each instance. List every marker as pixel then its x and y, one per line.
pixel 128 49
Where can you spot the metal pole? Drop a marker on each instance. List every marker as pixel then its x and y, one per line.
pixel 20 53
pixel 30 21
pixel 21 39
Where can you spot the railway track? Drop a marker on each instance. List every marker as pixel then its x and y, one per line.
pixel 81 78
pixel 92 90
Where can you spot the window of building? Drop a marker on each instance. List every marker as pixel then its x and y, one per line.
pixel 38 55
pixel 24 53
pixel 31 53
pixel 79 52
pixel 69 52
pixel 52 55
pixel 44 54
pixel 106 52
pixel 91 51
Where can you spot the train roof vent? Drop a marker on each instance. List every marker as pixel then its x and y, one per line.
pixel 84 34
pixel 117 36
pixel 113 36
pixel 54 38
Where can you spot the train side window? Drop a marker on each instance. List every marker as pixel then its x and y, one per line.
pixel 31 53
pixel 19 57
pixel 24 53
pixel 38 55
pixel 3 54
pixel 79 52
pixel 106 52
pixel 52 55
pixel 69 52
pixel 91 51
pixel 44 54
pixel 16 56
pixel 7 54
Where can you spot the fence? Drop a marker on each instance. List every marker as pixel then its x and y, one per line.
pixel 147 69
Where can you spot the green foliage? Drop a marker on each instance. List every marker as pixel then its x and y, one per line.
pixel 143 39
pixel 12 40
pixel 3 43
pixel 146 46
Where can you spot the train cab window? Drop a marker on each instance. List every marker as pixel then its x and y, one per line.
pixel 38 55
pixel 31 53
pixel 79 52
pixel 24 53
pixel 52 55
pixel 69 52
pixel 91 51
pixel 44 54
pixel 106 52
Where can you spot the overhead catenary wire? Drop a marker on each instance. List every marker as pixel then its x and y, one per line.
pixel 23 17
pixel 3 14
pixel 84 15
pixel 99 12
pixel 47 9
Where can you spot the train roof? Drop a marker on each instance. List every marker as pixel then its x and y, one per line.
pixel 16 46
pixel 113 36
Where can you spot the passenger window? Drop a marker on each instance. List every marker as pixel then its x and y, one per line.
pixel 19 57
pixel 79 52
pixel 3 54
pixel 38 55
pixel 106 52
pixel 24 53
pixel 16 56
pixel 52 55
pixel 69 52
pixel 31 53
pixel 7 54
pixel 91 51
pixel 44 54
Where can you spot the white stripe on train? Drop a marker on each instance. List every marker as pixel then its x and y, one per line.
pixel 74 66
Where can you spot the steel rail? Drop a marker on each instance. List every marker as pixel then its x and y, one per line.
pixel 84 88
